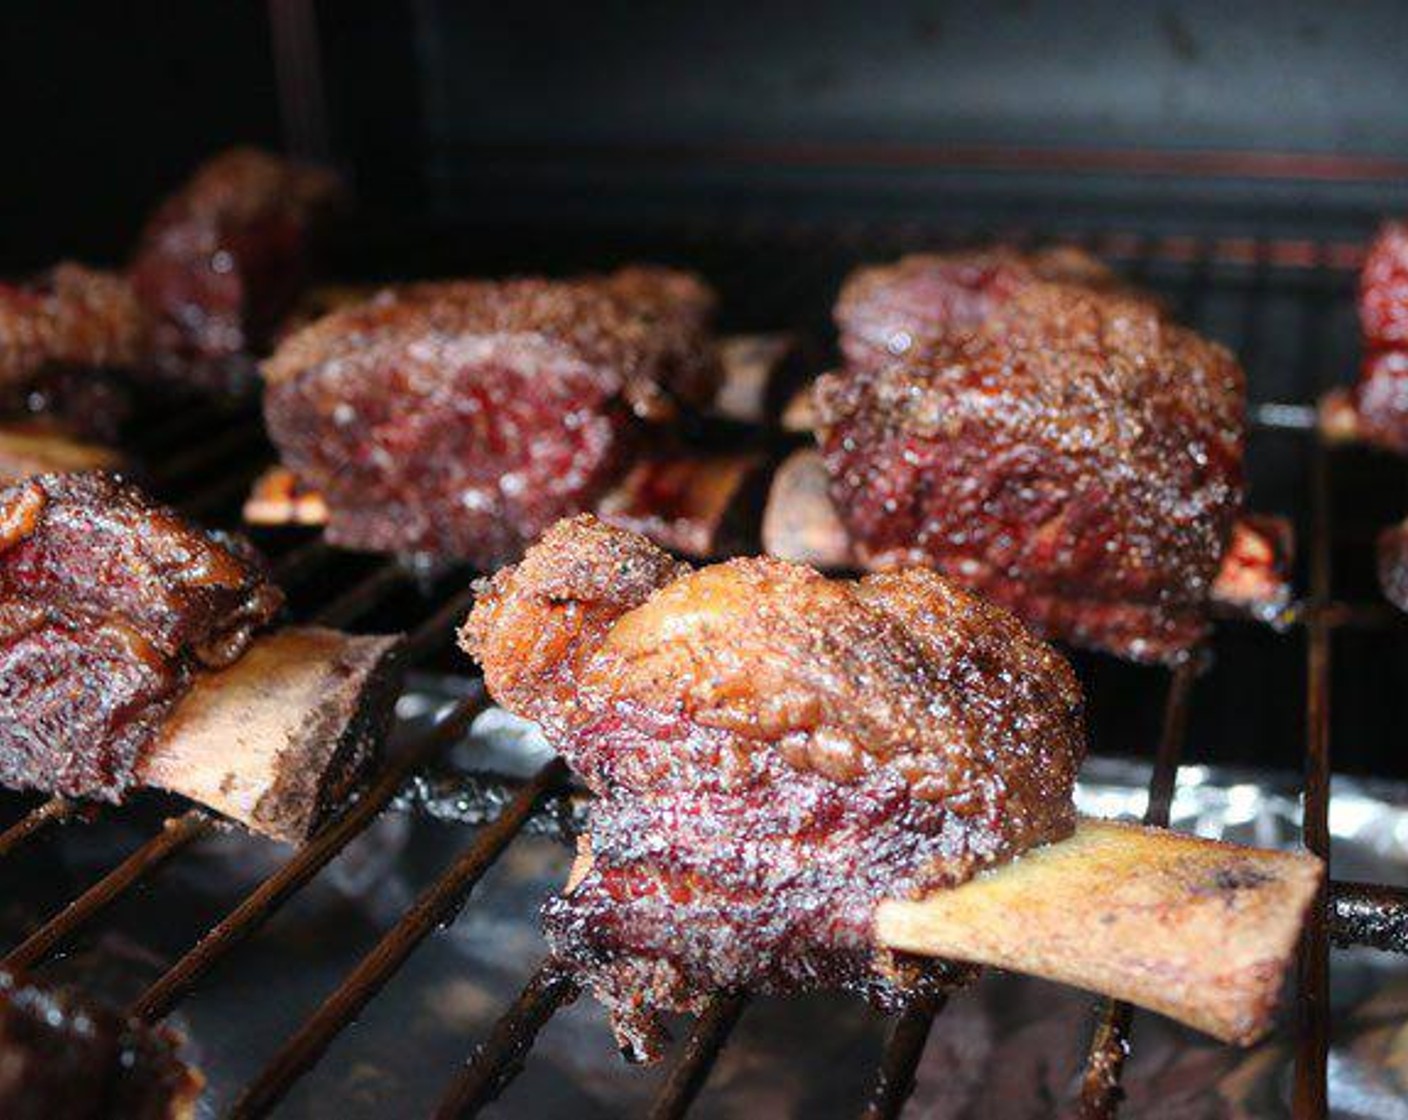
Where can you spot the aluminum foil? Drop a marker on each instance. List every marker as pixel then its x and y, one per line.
pixel 1008 1047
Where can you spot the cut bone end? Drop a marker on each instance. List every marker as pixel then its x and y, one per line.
pixel 1337 417
pixel 1255 575
pixel 800 523
pixel 30 449
pixel 285 734
pixel 696 506
pixel 756 370
pixel 1197 930
pixel 278 498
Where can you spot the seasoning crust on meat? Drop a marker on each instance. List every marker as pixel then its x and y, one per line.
pixel 100 585
pixel 885 311
pixel 69 316
pixel 1380 398
pixel 773 753
pixel 1075 456
pixel 223 259
pixel 461 419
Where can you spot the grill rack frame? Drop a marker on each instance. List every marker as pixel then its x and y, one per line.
pixel 212 477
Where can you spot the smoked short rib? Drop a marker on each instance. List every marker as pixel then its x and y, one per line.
pixel 109 604
pixel 461 419
pixel 773 752
pixel 224 258
pixel 1074 456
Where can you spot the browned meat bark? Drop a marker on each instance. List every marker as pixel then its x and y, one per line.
pixel 1074 456
pixel 1393 564
pixel 69 316
pixel 461 419
pixel 108 603
pixel 773 753
pixel 886 311
pixel 63 1059
pixel 60 336
pixel 224 258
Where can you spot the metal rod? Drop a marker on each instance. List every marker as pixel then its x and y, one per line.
pixel 1312 1050
pixel 366 594
pixel 212 447
pixel 1100 1092
pixel 53 811
pixel 176 835
pixel 904 1047
pixel 701 1051
pixel 437 905
pixel 256 909
pixel 499 1058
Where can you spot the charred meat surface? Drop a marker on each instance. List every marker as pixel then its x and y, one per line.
pixel 1076 457
pixel 461 419
pixel 885 311
pixel 224 258
pixel 773 753
pixel 1393 564
pixel 61 1059
pixel 108 603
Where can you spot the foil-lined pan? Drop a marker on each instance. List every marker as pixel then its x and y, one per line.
pixel 1007 1047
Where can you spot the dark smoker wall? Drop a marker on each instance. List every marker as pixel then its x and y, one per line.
pixel 575 106
pixel 480 112
pixel 107 105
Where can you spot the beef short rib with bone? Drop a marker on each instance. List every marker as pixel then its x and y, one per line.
pixel 808 782
pixel 126 632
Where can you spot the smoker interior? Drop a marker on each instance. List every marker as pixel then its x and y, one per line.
pixel 147 894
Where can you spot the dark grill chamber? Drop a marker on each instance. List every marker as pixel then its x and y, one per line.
pixel 1283 304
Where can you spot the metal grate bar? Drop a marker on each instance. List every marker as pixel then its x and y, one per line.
pixel 1100 1092
pixel 1312 1051
pixel 175 836
pixel 53 811
pixel 242 922
pixel 904 1047
pixel 361 599
pixel 437 905
pixel 706 1042
pixel 241 436
pixel 499 1058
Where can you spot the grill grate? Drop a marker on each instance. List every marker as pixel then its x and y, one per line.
pixel 207 458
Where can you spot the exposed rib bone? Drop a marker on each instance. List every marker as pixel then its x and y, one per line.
pixel 284 734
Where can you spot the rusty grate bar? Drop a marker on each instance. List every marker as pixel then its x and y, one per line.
pixel 176 835
pixel 904 1047
pixel 179 833
pixel 242 922
pixel 706 1042
pixel 436 905
pixel 1312 1050
pixel 53 811
pixel 500 1057
pixel 1100 1092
